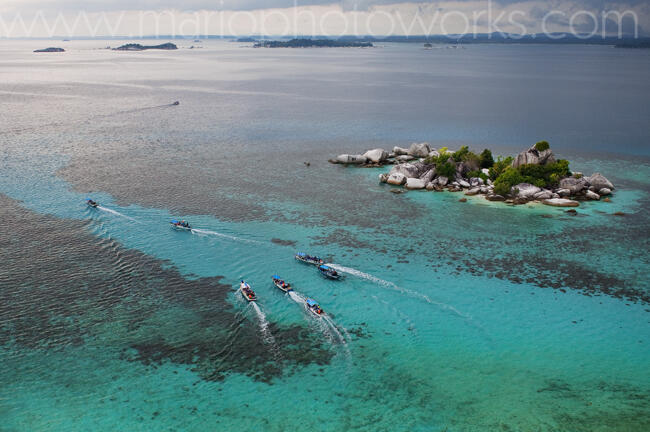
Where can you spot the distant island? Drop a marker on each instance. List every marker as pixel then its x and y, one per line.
pixel 51 49
pixel 533 175
pixel 138 47
pixel 313 43
pixel 246 39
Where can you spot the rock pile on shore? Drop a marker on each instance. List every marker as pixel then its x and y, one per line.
pixel 422 168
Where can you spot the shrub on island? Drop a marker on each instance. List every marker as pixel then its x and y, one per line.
pixel 542 145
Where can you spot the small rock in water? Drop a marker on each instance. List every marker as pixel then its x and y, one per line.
pixel 619 213
pixel 561 202
pixel 604 191
pixel 463 200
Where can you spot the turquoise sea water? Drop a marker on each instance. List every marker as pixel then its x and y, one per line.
pixel 451 316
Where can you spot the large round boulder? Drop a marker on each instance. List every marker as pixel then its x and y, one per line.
pixel 599 181
pixel 543 194
pixel 407 169
pixel 525 190
pixel 419 150
pixel 400 151
pixel 532 156
pixel 574 185
pixel 397 179
pixel 428 176
pixel 350 159
pixel 415 183
pixel 376 155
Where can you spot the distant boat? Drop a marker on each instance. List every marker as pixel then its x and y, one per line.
pixel 428 46
pixel 176 103
pixel 91 203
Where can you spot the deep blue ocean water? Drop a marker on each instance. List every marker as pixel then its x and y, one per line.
pixel 451 316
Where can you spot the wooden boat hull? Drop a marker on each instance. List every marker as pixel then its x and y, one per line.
pixel 180 228
pixel 246 296
pixel 279 286
pixel 306 261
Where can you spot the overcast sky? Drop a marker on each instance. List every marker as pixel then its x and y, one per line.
pixel 19 18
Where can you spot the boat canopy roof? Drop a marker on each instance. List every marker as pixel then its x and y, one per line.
pixel 301 254
pixel 174 221
pixel 324 267
pixel 311 302
pixel 275 277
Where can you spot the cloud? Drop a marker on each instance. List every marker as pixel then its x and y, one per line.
pixel 247 5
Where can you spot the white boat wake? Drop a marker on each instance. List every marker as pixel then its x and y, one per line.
pixel 218 234
pixel 400 314
pixel 266 333
pixel 116 213
pixel 264 324
pixel 325 323
pixel 394 287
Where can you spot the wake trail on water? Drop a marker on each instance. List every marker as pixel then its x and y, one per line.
pixel 394 287
pixel 116 213
pixel 266 333
pixel 404 317
pixel 264 324
pixel 218 234
pixel 329 327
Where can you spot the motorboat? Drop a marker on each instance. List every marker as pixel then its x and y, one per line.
pixel 92 203
pixel 303 257
pixel 328 272
pixel 314 308
pixel 281 284
pixel 180 225
pixel 247 292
